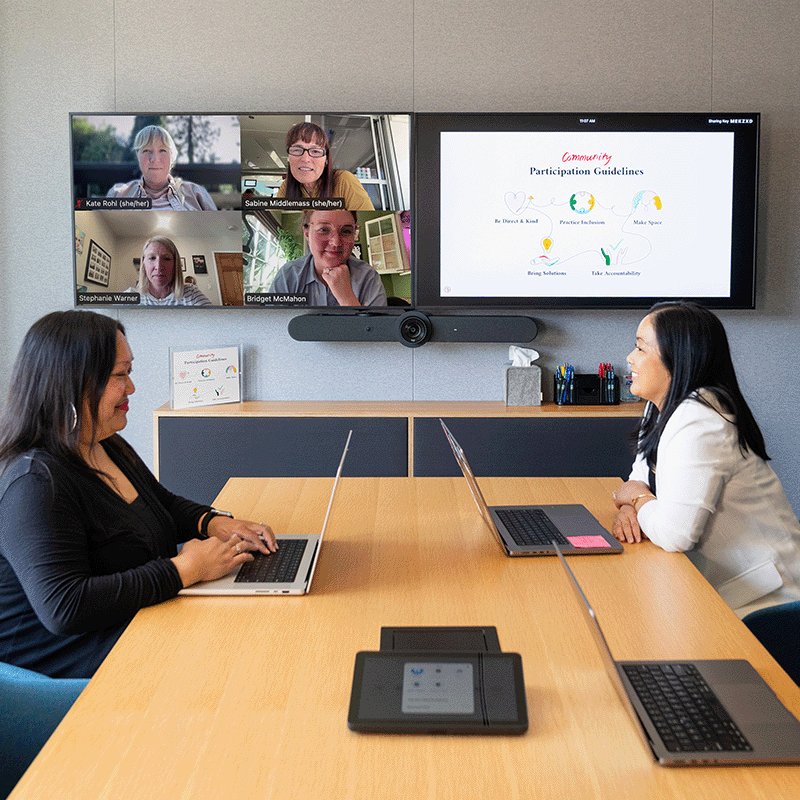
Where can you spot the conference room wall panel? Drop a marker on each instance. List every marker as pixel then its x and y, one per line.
pixel 425 55
pixel 603 56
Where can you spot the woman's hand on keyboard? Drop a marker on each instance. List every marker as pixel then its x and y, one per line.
pixel 257 534
pixel 212 558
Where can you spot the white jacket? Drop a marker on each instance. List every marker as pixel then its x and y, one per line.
pixel 726 508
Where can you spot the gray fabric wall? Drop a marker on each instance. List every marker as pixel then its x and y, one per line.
pixel 425 55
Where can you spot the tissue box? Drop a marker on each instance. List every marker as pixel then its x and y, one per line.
pixel 522 386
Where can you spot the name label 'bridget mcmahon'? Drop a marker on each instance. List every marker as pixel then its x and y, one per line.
pixel 272 299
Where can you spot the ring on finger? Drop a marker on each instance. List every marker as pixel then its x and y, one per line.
pixel 238 548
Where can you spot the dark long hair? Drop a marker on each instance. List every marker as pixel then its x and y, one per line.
pixel 66 358
pixel 309 132
pixel 694 348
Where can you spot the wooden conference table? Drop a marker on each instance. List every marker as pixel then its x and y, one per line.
pixel 245 698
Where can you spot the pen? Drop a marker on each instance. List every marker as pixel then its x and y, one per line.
pixel 568 396
pixel 604 374
pixel 601 373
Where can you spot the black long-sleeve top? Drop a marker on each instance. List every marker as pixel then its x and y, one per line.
pixel 77 561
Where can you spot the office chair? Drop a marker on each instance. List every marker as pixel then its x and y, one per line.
pixel 31 706
pixel 778 629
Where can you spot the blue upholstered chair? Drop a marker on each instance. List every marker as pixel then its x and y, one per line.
pixel 31 706
pixel 778 629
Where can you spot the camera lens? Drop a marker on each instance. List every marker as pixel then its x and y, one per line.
pixel 414 329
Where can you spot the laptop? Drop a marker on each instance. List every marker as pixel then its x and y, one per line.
pixel 531 530
pixel 739 720
pixel 289 570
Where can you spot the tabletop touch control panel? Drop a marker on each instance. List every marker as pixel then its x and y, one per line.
pixel 438 692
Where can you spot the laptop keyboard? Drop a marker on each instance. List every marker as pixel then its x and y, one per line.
pixel 685 712
pixel 530 526
pixel 278 567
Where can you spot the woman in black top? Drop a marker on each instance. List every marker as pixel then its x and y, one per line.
pixel 88 536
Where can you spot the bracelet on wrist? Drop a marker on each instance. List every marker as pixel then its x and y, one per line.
pixel 208 516
pixel 640 496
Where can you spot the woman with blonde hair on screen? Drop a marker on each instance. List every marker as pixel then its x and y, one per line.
pixel 161 280
pixel 156 153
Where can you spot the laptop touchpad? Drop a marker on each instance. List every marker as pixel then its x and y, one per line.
pixel 745 702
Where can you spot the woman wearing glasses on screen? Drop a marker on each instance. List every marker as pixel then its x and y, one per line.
pixel 161 280
pixel 88 536
pixel 701 482
pixel 330 275
pixel 311 173
pixel 156 152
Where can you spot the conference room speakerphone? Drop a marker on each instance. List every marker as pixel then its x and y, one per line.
pixel 438 692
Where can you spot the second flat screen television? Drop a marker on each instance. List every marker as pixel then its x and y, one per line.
pixel 585 210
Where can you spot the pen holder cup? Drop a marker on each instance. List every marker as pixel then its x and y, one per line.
pixel 522 386
pixel 586 390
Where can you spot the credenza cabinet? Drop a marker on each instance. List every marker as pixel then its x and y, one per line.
pixel 197 450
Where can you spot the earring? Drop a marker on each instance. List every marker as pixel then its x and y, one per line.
pixel 74 418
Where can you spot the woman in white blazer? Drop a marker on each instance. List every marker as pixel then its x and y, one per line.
pixel 701 483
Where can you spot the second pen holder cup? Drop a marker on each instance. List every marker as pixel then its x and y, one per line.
pixel 585 390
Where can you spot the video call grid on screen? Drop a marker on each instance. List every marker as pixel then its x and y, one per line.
pixel 581 210
pixel 232 174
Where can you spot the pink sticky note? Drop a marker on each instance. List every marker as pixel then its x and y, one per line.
pixel 588 541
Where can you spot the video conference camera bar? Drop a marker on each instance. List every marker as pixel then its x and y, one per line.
pixel 411 328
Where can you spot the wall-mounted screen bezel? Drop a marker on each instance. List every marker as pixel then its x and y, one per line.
pixel 523 186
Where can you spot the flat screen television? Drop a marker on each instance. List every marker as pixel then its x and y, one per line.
pixel 584 210
pixel 215 210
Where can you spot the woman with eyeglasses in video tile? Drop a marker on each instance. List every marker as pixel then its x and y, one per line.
pixel 311 173
pixel 330 275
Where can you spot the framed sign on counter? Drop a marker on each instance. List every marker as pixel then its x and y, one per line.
pixel 205 376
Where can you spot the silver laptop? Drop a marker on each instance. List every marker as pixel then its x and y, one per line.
pixel 531 530
pixel 290 570
pixel 739 719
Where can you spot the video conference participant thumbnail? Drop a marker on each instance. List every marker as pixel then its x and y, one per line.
pixel 329 275
pixel 178 162
pixel 110 258
pixel 311 173
pixel 156 152
pixel 161 281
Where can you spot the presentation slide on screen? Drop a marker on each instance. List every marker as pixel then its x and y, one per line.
pixel 622 214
